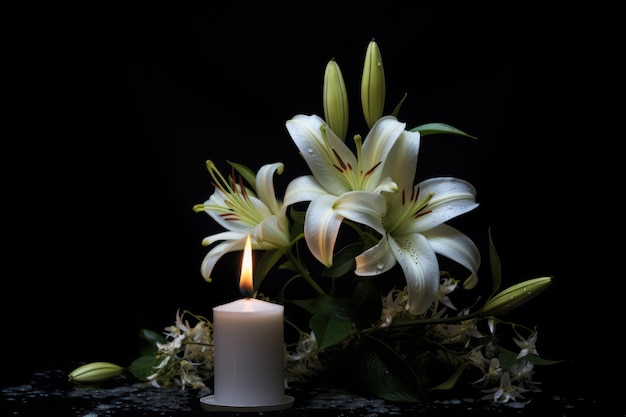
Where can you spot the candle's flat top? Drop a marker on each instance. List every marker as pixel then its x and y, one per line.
pixel 246 305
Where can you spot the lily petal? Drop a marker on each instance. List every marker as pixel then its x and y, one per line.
pixel 378 143
pixel 363 207
pixel 324 153
pixel 265 185
pixel 451 198
pixel 302 189
pixel 273 232
pixel 321 227
pixel 375 260
pixel 225 235
pixel 421 270
pixel 451 243
pixel 401 162
pixel 216 253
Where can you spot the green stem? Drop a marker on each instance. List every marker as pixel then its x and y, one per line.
pixel 453 319
pixel 302 270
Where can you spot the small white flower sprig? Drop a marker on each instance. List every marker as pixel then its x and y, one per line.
pixel 379 307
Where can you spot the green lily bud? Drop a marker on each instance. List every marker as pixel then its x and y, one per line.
pixel 373 85
pixel 95 372
pixel 335 100
pixel 514 296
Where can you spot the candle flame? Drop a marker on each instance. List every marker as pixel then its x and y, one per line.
pixel 245 280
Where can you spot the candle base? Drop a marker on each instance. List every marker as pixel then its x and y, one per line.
pixel 208 404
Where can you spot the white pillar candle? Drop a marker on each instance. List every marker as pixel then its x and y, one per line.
pixel 249 353
pixel 249 348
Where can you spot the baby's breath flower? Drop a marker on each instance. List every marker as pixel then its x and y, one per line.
pixel 445 287
pixel 475 357
pixel 506 391
pixel 492 373
pixel 522 371
pixel 491 349
pixel 458 333
pixel 187 356
pixel 394 303
pixel 304 362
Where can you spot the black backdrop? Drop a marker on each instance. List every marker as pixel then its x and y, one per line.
pixel 118 109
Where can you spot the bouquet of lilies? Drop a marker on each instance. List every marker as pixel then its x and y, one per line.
pixel 359 248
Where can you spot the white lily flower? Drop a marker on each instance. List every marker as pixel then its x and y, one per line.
pixel 414 231
pixel 342 182
pixel 243 211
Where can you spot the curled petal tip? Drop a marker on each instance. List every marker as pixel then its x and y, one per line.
pixel 470 282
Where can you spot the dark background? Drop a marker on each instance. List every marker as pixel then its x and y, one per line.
pixel 117 109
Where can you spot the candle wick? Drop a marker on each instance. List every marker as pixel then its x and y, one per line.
pixel 246 293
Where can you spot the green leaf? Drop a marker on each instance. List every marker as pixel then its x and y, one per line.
pixel 340 306
pixel 329 329
pixel 332 318
pixel 144 366
pixel 496 267
pixel 536 360
pixel 367 300
pixel 449 383
pixel 148 340
pixel 343 261
pixel 306 304
pixel 297 215
pixel 507 358
pixel 434 128
pixel 396 109
pixel 264 265
pixel 385 374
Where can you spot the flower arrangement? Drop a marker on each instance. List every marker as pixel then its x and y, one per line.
pixel 355 252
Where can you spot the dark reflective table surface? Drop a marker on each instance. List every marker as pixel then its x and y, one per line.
pixel 569 390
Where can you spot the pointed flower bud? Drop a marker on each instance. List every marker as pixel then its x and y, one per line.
pixel 335 100
pixel 514 296
pixel 95 372
pixel 373 85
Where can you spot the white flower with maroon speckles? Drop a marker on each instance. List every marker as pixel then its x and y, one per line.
pixel 343 184
pixel 413 229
